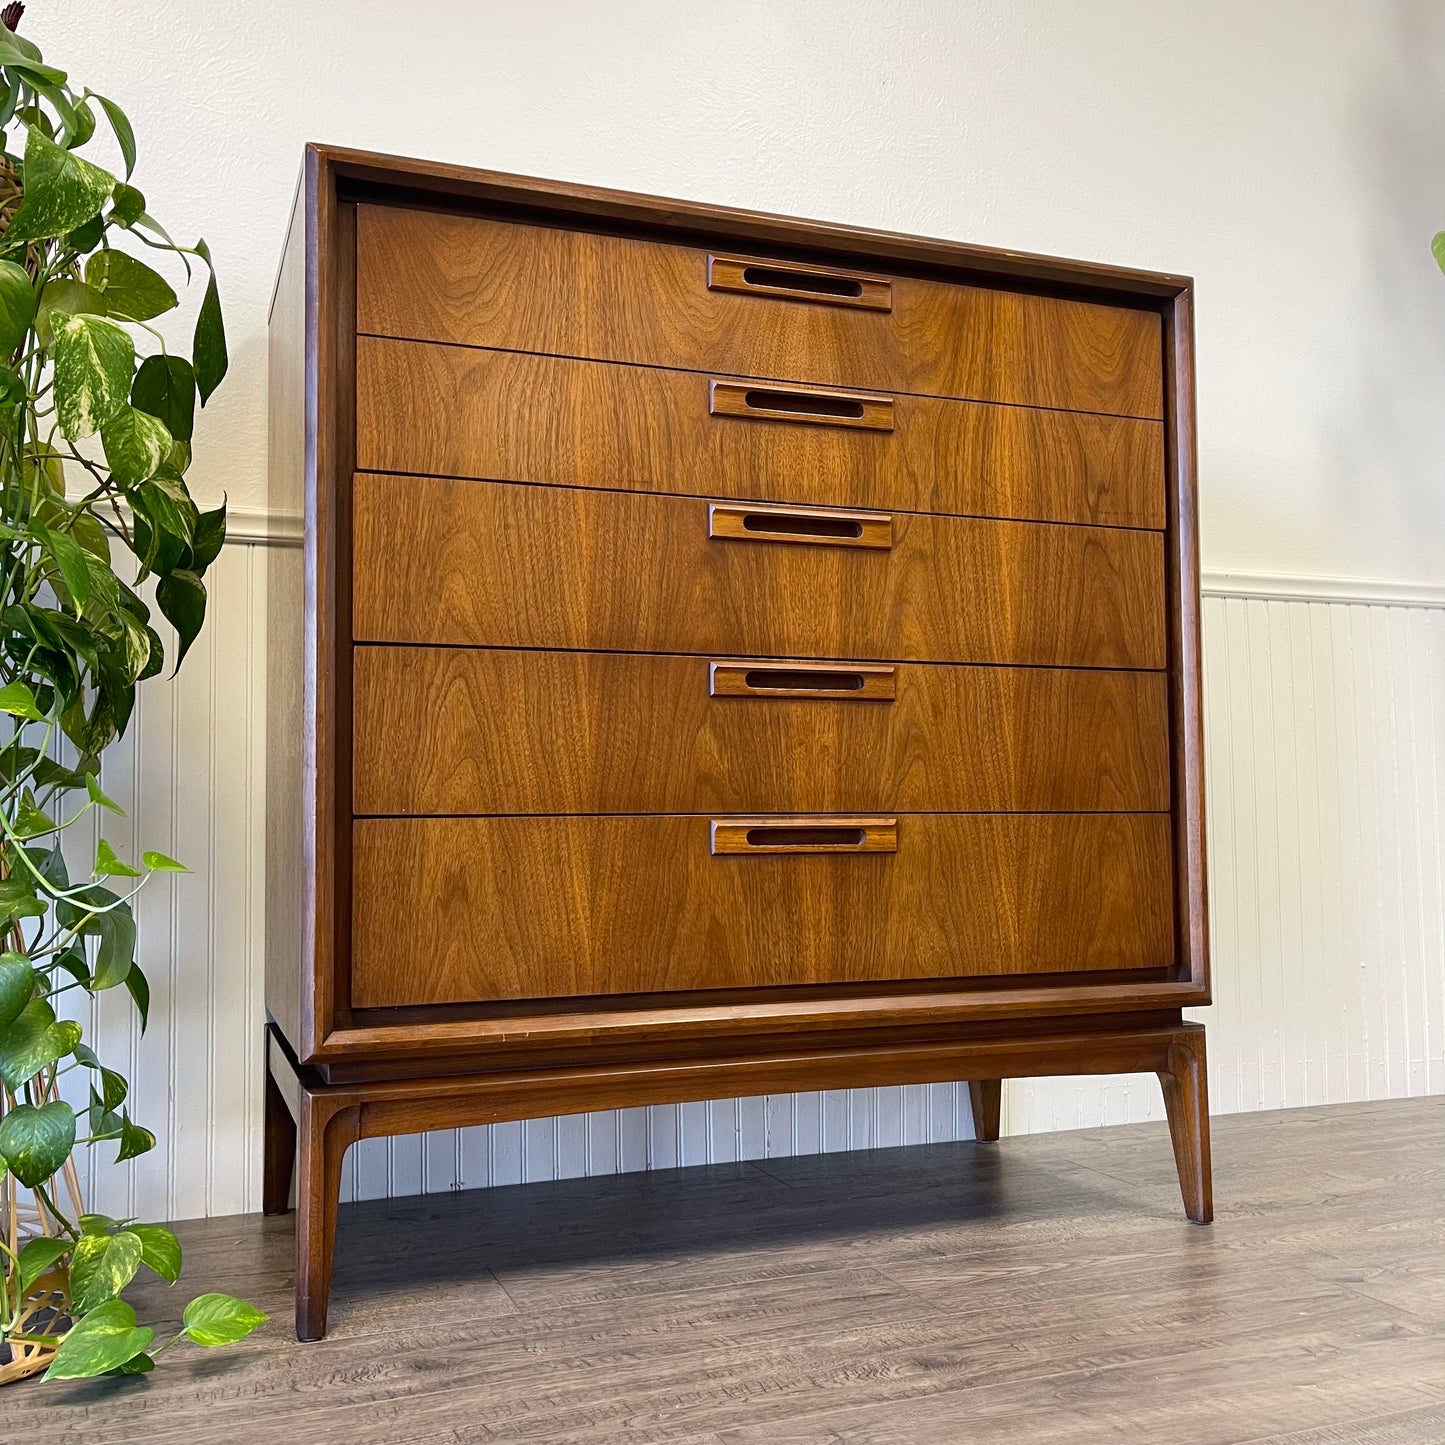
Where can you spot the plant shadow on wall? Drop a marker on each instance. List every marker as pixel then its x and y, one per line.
pixel 77 403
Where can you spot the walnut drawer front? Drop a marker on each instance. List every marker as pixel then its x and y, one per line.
pixel 452 411
pixel 461 910
pixel 464 730
pixel 494 564
pixel 483 282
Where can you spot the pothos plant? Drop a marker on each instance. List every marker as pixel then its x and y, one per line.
pixel 91 395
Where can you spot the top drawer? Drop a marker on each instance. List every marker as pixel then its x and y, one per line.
pixel 480 282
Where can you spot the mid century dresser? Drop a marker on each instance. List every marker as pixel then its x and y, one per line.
pixel 729 654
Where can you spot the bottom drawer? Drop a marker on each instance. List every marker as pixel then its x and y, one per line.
pixel 463 910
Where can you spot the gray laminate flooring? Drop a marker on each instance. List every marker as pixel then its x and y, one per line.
pixel 1045 1289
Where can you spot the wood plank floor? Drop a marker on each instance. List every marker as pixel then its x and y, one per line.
pixel 1045 1289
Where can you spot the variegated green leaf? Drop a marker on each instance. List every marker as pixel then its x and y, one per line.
pixel 94 363
pixel 136 445
pixel 106 1339
pixel 101 1266
pixel 62 190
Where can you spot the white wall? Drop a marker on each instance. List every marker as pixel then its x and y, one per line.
pixel 1284 152
pixel 1287 153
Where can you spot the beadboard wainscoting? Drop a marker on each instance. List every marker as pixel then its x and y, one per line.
pixel 1324 715
pixel 1325 723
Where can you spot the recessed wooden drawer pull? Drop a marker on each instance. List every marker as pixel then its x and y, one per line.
pixel 805 835
pixel 818 525
pixel 850 682
pixel 791 403
pixel 790 281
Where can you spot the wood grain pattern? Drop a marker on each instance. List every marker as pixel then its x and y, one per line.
pixel 488 1095
pixel 472 188
pixel 453 411
pixel 288 962
pixel 278 1150
pixel 1185 1081
pixel 985 1099
pixel 964 894
pixel 428 276
pixel 1185 649
pixel 333 1117
pixel 327 1128
pixel 386 1043
pixel 521 731
pixel 326 1033
pixel 326 771
pixel 393 1106
pixel 502 565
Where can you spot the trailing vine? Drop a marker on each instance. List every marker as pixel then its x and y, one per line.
pixel 96 416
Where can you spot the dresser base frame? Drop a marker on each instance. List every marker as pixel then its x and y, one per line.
pixel 317 1123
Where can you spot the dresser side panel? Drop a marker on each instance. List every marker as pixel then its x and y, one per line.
pixel 288 753
pixel 1185 648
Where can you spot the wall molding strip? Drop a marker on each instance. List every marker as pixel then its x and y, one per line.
pixel 1287 587
pixel 245 526
pixel 256 527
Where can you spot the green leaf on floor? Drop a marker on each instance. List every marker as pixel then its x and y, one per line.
pixel 104 1340
pixel 221 1319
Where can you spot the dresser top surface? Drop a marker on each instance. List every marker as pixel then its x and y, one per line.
pixel 363 171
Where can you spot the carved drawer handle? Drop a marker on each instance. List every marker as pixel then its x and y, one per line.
pixel 792 281
pixel 786 834
pixel 818 525
pixel 818 407
pixel 835 681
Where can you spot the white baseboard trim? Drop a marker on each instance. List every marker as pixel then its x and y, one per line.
pixel 255 527
pixel 1287 587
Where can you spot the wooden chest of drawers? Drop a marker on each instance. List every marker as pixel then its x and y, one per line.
pixel 728 654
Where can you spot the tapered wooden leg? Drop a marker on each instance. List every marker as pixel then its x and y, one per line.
pixel 279 1156
pixel 327 1131
pixel 986 1097
pixel 1186 1101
